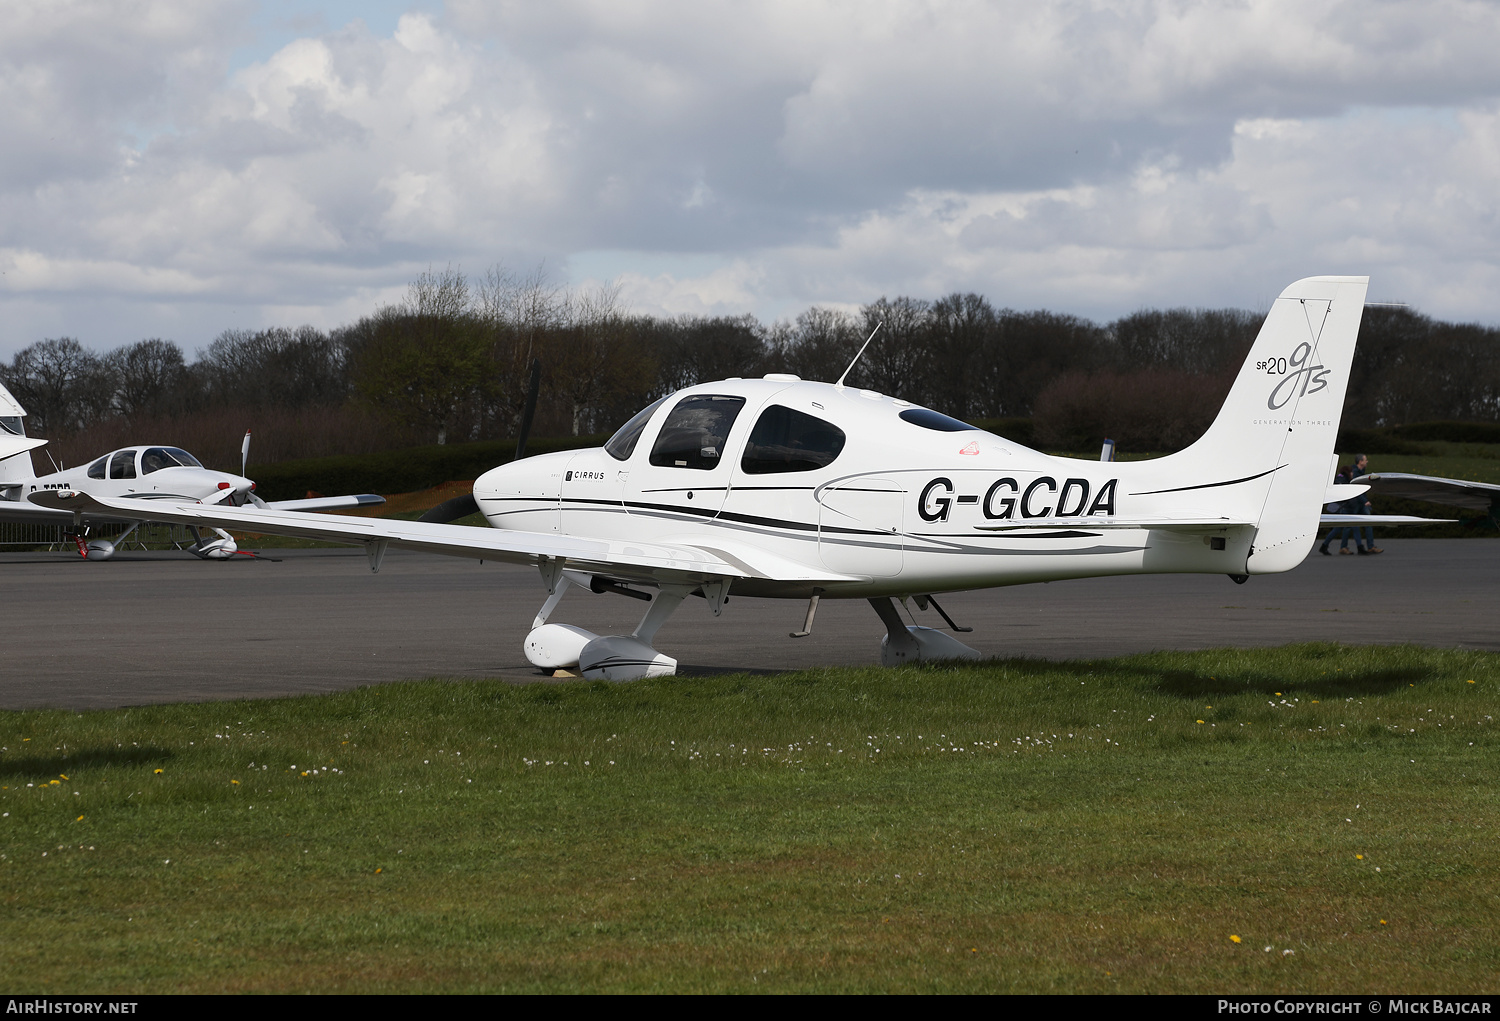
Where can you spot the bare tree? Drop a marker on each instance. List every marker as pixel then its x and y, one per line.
pixel 150 377
pixel 63 385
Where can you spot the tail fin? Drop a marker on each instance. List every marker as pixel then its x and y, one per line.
pixel 1282 414
pixel 14 470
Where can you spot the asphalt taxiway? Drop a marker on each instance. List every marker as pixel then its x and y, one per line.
pixel 164 627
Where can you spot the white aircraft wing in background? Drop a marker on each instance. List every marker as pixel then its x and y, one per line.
pixel 1480 497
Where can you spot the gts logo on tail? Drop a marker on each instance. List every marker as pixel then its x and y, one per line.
pixel 1005 496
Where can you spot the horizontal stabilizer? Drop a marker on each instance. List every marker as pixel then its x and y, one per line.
pixel 1342 493
pixel 10 445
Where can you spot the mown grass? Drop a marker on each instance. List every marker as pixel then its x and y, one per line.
pixel 1012 826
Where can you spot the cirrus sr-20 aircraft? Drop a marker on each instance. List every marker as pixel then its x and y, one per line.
pixel 136 480
pixel 785 488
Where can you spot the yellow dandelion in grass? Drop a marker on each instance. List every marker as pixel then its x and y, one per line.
pixel 55 783
pixel 1234 939
pixel 379 871
pixel 1359 857
pixel 1382 921
pixel 63 775
pixel 234 781
pixel 79 819
pixel 1468 682
pixel 156 771
pixel 1200 721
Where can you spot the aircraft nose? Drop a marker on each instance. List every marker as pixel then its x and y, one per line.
pixel 537 477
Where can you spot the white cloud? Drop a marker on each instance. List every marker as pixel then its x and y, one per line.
pixel 1089 157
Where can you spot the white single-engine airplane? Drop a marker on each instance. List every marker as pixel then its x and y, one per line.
pixel 785 488
pixel 135 480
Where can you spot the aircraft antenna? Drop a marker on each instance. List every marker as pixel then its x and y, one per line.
pixel 861 352
pixel 54 461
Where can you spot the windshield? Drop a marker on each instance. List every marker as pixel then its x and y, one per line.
pixel 622 444
pixel 157 458
pixel 12 424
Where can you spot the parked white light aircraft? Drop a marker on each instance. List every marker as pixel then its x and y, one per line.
pixel 137 479
pixel 785 488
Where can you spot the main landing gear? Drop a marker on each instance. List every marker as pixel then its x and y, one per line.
pixel 906 643
pixel 566 647
pixel 610 657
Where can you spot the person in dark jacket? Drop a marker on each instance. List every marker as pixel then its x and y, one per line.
pixel 1361 505
pixel 1342 532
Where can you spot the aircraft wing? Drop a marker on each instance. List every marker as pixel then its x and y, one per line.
pixel 22 512
pixel 632 561
pixel 323 503
pixel 1471 496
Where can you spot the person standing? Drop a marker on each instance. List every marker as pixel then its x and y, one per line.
pixel 1361 505
pixel 1341 532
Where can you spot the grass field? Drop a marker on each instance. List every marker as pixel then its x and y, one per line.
pixel 1314 818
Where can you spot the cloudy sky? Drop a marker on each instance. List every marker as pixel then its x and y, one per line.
pixel 175 169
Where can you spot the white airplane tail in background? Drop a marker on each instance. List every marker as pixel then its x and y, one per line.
pixel 1281 418
pixel 15 467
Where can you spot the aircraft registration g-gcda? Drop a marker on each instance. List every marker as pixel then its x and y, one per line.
pixel 789 489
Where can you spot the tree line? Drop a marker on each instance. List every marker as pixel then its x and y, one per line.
pixel 451 362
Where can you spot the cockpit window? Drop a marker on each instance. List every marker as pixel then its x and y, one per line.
pixel 785 440
pixel 13 425
pixel 157 458
pixel 622 444
pixel 96 470
pixel 932 420
pixel 693 434
pixel 122 464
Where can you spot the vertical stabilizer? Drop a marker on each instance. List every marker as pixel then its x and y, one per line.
pixel 15 464
pixel 1281 418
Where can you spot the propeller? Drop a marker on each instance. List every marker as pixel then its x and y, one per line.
pixel 245 452
pixel 452 510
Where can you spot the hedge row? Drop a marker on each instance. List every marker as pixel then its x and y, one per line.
pixel 398 471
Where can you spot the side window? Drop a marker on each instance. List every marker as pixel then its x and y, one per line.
pixel 122 464
pixel 693 434
pixel 96 470
pixel 928 419
pixel 785 440
pixel 622 444
pixel 154 460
